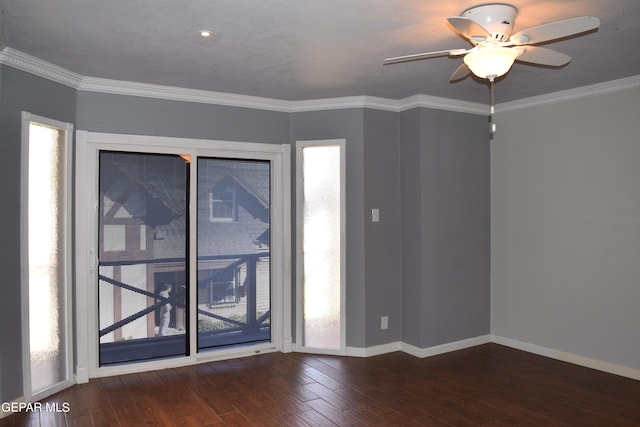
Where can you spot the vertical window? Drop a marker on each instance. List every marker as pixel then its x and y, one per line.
pixel 46 253
pixel 321 271
pixel 143 241
pixel 234 252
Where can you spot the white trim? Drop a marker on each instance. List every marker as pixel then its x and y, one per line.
pixel 299 146
pixel 41 68
pixel 376 350
pixel 38 67
pixel 438 103
pixel 88 146
pixel 92 84
pixel 572 94
pixel 177 362
pixel 445 348
pixel 21 61
pixel 417 351
pixel 120 87
pixel 284 241
pixel 345 102
pixel 180 145
pixel 85 264
pixel 288 344
pixel 575 359
pixel 24 253
pixel 67 254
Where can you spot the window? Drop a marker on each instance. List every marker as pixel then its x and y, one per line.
pixel 321 268
pixel 222 203
pixel 142 298
pixel 46 287
pixel 234 260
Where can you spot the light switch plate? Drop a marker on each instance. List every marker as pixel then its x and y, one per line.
pixel 375 215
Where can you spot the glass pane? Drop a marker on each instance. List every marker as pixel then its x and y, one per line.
pixel 321 247
pixel 46 258
pixel 234 304
pixel 143 256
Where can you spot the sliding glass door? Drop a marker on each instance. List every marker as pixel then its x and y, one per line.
pixel 234 264
pixel 143 256
pixel 181 252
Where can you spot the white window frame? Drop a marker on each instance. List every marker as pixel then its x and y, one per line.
pixel 67 130
pixel 88 145
pixel 299 246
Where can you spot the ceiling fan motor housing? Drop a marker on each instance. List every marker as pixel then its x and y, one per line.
pixel 497 18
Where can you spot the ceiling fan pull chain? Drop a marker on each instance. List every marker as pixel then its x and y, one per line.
pixel 492 125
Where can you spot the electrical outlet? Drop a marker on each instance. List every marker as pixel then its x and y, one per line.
pixel 384 322
pixel 375 215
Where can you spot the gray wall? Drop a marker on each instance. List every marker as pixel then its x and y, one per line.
pixel 19 92
pixel 446 237
pixel 383 273
pixel 566 227
pixel 423 264
pixel 345 124
pixel 411 226
pixel 101 112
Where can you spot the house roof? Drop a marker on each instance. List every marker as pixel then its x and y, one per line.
pixel 164 182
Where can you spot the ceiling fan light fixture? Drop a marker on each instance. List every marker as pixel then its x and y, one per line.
pixel 489 62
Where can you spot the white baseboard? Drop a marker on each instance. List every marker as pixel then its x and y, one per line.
pixel 576 359
pixel 445 348
pixel 287 346
pixel 375 350
pixel 82 375
pixel 417 351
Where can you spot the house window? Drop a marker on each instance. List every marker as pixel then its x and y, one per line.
pixel 222 204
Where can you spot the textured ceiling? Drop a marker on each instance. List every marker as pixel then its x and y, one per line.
pixel 306 49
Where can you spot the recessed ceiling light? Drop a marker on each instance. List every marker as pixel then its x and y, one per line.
pixel 205 33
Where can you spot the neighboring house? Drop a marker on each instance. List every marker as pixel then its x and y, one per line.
pixel 144 239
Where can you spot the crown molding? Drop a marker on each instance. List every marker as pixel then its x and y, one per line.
pixel 36 66
pixel 31 64
pixel 386 104
pixel 571 94
pixel 439 103
pixel 119 87
pixel 343 103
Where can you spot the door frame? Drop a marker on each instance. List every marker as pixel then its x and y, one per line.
pixel 88 145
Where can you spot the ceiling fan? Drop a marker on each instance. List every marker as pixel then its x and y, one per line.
pixel 488 27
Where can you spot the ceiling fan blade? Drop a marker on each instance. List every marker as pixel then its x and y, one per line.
pixel 543 56
pixel 555 30
pixel 469 29
pixel 460 73
pixel 427 55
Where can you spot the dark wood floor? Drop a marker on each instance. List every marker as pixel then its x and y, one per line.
pixel 488 385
